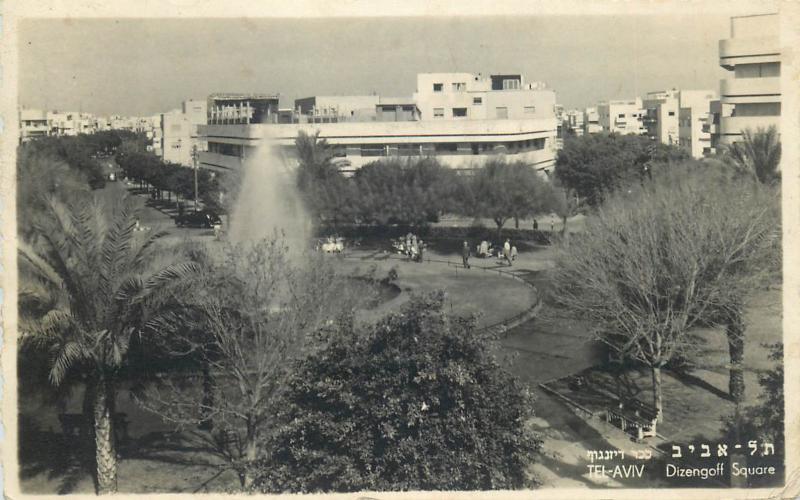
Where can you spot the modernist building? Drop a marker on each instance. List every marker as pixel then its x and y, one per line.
pixel 460 118
pixel 680 118
pixel 573 122
pixel 591 121
pixel 179 132
pixel 32 124
pixel 752 94
pixel 622 116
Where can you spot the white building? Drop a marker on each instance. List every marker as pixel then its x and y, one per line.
pixel 459 118
pixel 622 116
pixel 178 135
pixel 591 121
pixel 574 122
pixel 33 123
pixel 752 94
pixel 680 118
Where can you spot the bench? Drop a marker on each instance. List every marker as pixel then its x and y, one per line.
pixel 634 415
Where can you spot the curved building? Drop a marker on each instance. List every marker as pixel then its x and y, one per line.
pixel 751 97
pixel 460 119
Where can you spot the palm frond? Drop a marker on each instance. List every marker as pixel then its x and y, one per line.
pixel 41 267
pixel 70 354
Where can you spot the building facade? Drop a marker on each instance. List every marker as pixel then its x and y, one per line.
pixel 591 121
pixel 459 118
pixel 680 118
pixel 622 116
pixel 179 135
pixel 573 122
pixel 33 123
pixel 752 56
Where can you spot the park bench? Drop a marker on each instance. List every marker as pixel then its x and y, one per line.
pixel 634 415
pixel 75 425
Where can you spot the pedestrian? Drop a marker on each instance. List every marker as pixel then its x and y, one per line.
pixel 421 245
pixel 513 252
pixel 507 251
pixel 535 225
pixel 552 227
pixel 465 254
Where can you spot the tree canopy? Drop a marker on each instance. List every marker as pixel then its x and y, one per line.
pixel 595 165
pixel 681 251
pixel 416 401
pixel 501 191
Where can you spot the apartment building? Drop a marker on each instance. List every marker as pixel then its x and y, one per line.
pixel 752 92
pixel 680 118
pixel 622 116
pixel 460 118
pixel 591 121
pixel 574 122
pixel 179 135
pixel 33 123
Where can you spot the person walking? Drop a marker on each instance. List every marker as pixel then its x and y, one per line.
pixel 421 249
pixel 507 251
pixel 535 225
pixel 465 254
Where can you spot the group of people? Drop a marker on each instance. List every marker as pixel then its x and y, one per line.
pixel 412 247
pixel 332 244
pixel 507 252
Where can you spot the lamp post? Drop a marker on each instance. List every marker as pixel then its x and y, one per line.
pixel 194 165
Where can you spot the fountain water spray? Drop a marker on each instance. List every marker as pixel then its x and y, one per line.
pixel 269 199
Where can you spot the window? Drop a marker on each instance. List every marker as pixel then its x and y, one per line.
pixel 459 87
pixel 511 84
pixel 477 100
pixel 438 112
pixel 621 115
pixel 501 112
pixel 671 113
pixel 459 112
pixel 446 147
pixel 437 87
pixel 529 110
pixel 373 150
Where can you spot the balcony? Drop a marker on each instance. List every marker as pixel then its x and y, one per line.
pixel 750 90
pixel 748 51
pixel 219 162
pixel 732 126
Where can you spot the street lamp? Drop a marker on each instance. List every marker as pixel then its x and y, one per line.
pixel 194 164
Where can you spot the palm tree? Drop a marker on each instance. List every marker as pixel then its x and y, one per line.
pixel 758 154
pixel 83 297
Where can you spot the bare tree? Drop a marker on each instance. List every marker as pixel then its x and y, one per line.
pixel 676 253
pixel 247 316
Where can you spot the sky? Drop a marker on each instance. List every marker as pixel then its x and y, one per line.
pixel 148 66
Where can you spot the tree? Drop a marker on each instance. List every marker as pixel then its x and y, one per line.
pixel 81 298
pixel 680 252
pixel 764 421
pixel 595 165
pixel 242 320
pixel 502 191
pixel 394 191
pixel 416 401
pixel 757 155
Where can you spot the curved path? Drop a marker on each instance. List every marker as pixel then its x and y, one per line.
pixel 501 295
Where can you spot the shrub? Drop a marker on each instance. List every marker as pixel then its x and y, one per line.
pixel 416 401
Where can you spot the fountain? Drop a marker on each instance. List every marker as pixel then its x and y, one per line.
pixel 269 200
